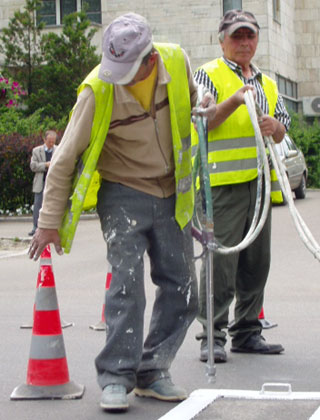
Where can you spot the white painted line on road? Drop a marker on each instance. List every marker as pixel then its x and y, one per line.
pixel 5 254
pixel 202 398
pixel 316 415
pixel 192 406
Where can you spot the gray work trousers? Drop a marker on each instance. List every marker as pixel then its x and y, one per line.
pixel 133 222
pixel 242 275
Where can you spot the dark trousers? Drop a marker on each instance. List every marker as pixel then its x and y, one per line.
pixel 133 223
pixel 242 275
pixel 37 204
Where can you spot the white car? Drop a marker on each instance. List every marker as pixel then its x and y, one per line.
pixel 295 165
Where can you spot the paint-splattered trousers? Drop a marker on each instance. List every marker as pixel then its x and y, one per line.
pixel 133 223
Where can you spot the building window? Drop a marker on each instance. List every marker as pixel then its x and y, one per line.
pixel 276 10
pixel 67 7
pixel 47 13
pixel 289 92
pixel 93 8
pixel 52 12
pixel 231 4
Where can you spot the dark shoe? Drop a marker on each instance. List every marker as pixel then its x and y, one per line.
pixel 220 355
pixel 32 232
pixel 257 344
pixel 114 398
pixel 264 323
pixel 162 389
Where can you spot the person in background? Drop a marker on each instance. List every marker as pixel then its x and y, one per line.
pixel 137 104
pixel 233 177
pixel 40 163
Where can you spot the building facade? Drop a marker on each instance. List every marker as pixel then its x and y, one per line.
pixel 289 46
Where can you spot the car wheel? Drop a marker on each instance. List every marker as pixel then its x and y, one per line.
pixel 300 192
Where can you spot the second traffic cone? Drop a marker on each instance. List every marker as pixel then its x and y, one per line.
pixel 47 375
pixel 101 325
pixel 265 324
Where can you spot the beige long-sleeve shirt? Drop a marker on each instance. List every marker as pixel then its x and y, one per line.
pixel 137 152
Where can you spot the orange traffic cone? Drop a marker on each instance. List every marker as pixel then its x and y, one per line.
pixel 265 324
pixel 101 325
pixel 47 375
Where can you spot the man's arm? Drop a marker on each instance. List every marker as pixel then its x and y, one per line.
pixel 223 109
pixel 192 83
pixel 36 163
pixel 60 175
pixel 227 107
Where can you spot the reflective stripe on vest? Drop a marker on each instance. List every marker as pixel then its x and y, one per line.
pixel 180 108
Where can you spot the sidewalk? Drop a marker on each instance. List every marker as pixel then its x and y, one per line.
pixel 14 238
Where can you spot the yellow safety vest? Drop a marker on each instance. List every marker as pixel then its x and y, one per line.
pixel 232 151
pixel 180 108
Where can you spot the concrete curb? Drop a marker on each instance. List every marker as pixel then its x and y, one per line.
pixel 8 253
pixel 5 219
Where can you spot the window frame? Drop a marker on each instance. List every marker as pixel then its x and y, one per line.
pixel 276 9
pixel 225 8
pixel 58 12
pixel 291 101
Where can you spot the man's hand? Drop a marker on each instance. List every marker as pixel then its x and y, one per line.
pixel 238 97
pixel 207 107
pixel 41 239
pixel 269 126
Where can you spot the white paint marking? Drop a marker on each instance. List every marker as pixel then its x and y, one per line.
pixel 202 398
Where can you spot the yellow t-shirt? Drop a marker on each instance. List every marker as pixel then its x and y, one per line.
pixel 143 91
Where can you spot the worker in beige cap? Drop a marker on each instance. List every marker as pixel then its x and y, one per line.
pixel 134 109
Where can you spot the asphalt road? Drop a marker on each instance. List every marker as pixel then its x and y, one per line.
pixel 291 300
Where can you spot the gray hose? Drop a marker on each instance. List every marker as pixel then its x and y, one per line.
pixel 303 230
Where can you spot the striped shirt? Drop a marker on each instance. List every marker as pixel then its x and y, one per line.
pixel 281 114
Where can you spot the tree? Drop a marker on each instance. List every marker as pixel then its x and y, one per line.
pixel 68 58
pixel 21 44
pixel 306 135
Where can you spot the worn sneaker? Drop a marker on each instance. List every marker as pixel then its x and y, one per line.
pixel 257 344
pixel 114 398
pixel 162 389
pixel 220 355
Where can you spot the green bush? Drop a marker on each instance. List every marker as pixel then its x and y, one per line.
pixel 15 174
pixel 306 135
pixel 13 120
pixel 15 152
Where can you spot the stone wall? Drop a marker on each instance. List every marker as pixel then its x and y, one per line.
pixel 192 24
pixel 307 28
pixel 290 47
pixel 7 9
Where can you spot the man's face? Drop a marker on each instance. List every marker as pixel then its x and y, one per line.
pixel 50 141
pixel 144 70
pixel 241 46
